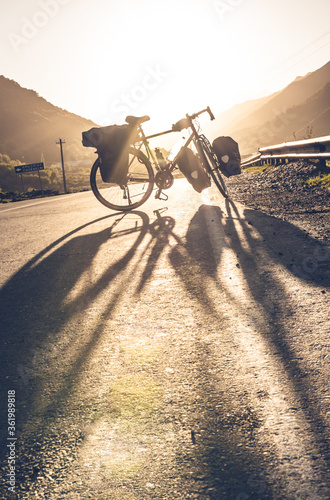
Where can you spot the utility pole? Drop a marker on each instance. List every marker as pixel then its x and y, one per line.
pixel 22 183
pixel 60 142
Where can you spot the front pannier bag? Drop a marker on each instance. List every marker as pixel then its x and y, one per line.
pixel 191 168
pixel 112 144
pixel 228 154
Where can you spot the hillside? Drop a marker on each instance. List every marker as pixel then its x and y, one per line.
pixel 312 117
pixel 30 126
pixel 239 112
pixel 302 105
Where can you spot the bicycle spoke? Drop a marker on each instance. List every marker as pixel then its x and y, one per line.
pixel 139 184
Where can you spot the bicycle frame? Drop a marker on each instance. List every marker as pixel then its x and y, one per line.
pixel 141 180
pixel 194 137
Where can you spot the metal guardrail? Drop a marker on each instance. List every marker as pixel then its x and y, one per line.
pixel 318 148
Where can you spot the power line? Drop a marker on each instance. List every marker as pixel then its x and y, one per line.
pixel 309 55
pixel 303 49
pixel 307 46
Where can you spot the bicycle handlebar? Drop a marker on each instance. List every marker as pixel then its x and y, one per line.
pixel 210 113
pixel 185 122
pixel 208 110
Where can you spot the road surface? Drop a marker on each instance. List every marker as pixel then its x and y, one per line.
pixel 179 351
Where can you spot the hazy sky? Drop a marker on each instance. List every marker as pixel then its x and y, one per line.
pixel 104 59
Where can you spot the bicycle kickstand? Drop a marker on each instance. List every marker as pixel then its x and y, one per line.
pixel 159 194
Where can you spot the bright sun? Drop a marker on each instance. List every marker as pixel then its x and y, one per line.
pixel 153 61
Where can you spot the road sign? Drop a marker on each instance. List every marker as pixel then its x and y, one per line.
pixel 29 168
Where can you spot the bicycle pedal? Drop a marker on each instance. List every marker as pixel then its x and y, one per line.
pixel 160 211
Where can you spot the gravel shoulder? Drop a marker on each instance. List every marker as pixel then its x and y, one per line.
pixel 280 191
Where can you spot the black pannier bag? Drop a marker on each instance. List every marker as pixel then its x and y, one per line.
pixel 191 168
pixel 112 144
pixel 227 152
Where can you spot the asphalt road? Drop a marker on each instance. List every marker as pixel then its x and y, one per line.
pixel 179 351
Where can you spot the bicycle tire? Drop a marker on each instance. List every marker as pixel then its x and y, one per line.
pixel 139 184
pixel 211 165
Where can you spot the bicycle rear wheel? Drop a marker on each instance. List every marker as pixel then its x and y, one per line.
pixel 211 164
pixel 134 193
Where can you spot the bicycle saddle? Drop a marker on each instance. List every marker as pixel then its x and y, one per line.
pixel 136 120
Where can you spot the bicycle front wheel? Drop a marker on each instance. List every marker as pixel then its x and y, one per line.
pixel 136 191
pixel 211 165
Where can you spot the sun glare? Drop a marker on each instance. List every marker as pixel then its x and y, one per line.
pixel 153 63
pixel 106 59
pixel 163 59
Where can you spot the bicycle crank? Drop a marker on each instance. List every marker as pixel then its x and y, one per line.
pixel 163 179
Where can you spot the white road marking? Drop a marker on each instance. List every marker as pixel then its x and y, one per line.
pixel 55 198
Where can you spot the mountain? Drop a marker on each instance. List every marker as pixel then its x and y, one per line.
pixel 302 106
pixel 239 112
pixel 30 126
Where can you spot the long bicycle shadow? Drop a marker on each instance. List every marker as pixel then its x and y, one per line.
pixel 35 311
pixel 217 463
pixel 260 243
pixel 284 245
